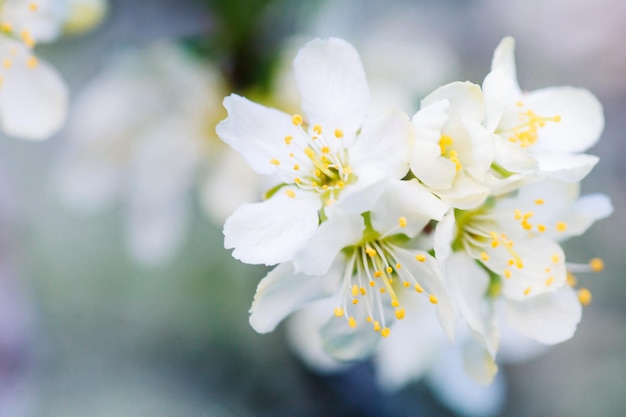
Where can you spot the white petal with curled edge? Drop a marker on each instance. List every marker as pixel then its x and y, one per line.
pixel 566 167
pixel 582 119
pixel 429 120
pixel 257 132
pixel 33 101
pixel 444 235
pixel 284 291
pixel 332 81
pixel 465 101
pixel 549 318
pixel 340 230
pixel 272 231
pixel 585 212
pixel 465 194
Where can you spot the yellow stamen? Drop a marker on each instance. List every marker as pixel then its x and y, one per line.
pixel 539 201
pixel 400 313
pixel 584 296
pixel 378 274
pixel 433 299
pixel 541 227
pixel 33 7
pixel 6 27
pixel 507 273
pixel 484 256
pixel 385 332
pixel 571 279
pixel 355 290
pixel 561 226
pixel 339 312
pixel 419 288
pixel 338 133
pixel 389 270
pixel 596 264
pixel 376 326
pixel 420 257
pixel 274 161
pixel 371 252
pixel 297 120
pixel 317 129
pixel 288 139
pixel 7 63
pixel 352 322
pixel 325 149
pixel 549 280
pixel 290 193
pixel 402 221
pixel 527 290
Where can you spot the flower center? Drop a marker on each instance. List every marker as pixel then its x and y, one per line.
pixel 526 132
pixel 9 54
pixel 373 278
pixel 445 143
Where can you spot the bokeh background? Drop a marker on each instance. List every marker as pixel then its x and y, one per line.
pixel 87 330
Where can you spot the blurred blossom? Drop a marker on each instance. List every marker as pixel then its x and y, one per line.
pixel 142 132
pixel 84 15
pixel 33 97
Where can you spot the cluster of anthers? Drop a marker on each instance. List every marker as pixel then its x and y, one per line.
pixel 374 276
pixel 527 132
pixel 317 162
pixel 23 35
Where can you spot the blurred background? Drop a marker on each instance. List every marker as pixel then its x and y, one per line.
pixel 97 320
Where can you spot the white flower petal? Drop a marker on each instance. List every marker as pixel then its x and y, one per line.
pixel 332 81
pixel 468 284
pixel 430 167
pixel 340 230
pixel 33 101
pixel 566 167
pixel 465 193
pixel 479 363
pixel 465 101
pixel 382 147
pixel 257 132
pixel 549 318
pixel 272 231
pixel 585 212
pixel 444 235
pixel 429 120
pixel 410 200
pixel 284 291
pixel 411 349
pixel 303 335
pixel 582 120
pixel 458 391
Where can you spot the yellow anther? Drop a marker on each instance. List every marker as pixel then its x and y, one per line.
pixel 325 149
pixel 378 274
pixel 402 221
pixel 527 290
pixel 340 184
pixel 297 180
pixel 290 193
pixel 371 252
pixel 406 284
pixel 274 161
pixel 584 296
pixel 548 270
pixel 338 133
pixel 539 201
pixel 7 63
pixel 376 326
pixel 317 129
pixel 339 311
pixel 420 257
pixel 389 270
pixel 309 152
pixel 390 280
pixel 444 142
pixel 363 291
pixel 561 226
pixel 33 6
pixel 385 332
pixel 571 279
pixel 296 167
pixel 556 259
pixel 355 290
pixel 372 284
pixel 6 27
pixel 541 227
pixel 507 273
pixel 398 266
pixel 330 202
pixel 519 104
pixel 395 303
pixel 318 173
pixel 511 262
pixel 519 264
pixel 27 38
pixel 484 256
pixel 368 319
pixel 313 184
pixel 355 301
pixel 433 299
pixel 518 214
pixel 297 120
pixel 383 290
pixel 347 170
pixel 352 322
pixel 418 288
pixel 400 313
pixel 288 140
pixel 324 187
pixel 596 264
pixel 549 280
pixel 291 155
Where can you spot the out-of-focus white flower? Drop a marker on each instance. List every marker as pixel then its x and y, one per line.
pixel 452 152
pixel 142 131
pixel 331 153
pixel 538 133
pixel 33 97
pixel 368 265
pixel 84 15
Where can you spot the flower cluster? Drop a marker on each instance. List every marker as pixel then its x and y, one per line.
pixel 460 208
